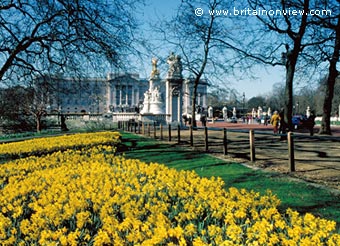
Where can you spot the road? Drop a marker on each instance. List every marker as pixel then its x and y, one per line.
pixel 262 127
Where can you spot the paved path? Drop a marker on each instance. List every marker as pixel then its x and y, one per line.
pixel 256 126
pixel 317 159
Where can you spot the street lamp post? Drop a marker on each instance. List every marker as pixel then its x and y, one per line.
pixel 244 98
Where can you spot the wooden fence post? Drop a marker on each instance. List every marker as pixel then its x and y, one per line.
pixel 161 130
pixel 206 143
pixel 139 122
pixel 149 129
pixel 252 145
pixel 143 128
pixel 169 135
pixel 225 147
pixel 178 134
pixel 191 136
pixel 154 130
pixel 291 158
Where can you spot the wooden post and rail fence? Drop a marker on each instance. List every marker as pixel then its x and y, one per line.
pixel 175 133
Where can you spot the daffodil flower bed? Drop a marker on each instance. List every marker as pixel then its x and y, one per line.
pixel 92 197
pixel 45 145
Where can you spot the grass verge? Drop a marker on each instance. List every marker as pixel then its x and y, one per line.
pixel 298 195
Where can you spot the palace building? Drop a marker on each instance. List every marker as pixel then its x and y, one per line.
pixel 117 93
pixel 153 99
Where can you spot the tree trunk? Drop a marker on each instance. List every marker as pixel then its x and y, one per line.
pixel 292 57
pixel 193 102
pixel 325 127
pixel 38 121
pixel 329 93
pixel 288 107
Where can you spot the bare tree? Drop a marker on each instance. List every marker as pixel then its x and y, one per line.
pixel 13 109
pixel 276 98
pixel 195 34
pixel 287 29
pixel 309 36
pixel 62 36
pixel 332 55
pixel 41 36
pixel 262 41
pixel 219 97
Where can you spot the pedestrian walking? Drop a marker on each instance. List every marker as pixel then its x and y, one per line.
pixel 274 121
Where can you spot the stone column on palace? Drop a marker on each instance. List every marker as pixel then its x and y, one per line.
pixel 174 94
pixel 109 96
pixel 114 95
pixel 204 103
pixel 127 94
pixel 186 96
pixel 133 102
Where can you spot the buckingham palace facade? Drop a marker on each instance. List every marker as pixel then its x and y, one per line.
pixel 114 93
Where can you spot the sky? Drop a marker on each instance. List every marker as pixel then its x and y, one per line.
pixel 265 78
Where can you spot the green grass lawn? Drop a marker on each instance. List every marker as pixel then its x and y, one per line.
pixel 295 194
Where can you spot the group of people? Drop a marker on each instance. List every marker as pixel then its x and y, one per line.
pixel 187 120
pixel 280 126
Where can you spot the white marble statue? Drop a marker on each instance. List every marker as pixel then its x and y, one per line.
pixel 259 112
pixel 225 112
pixel 146 103
pixel 175 66
pixel 234 112
pixel 210 112
pixel 152 103
pixel 269 112
pixel 308 112
pixel 155 96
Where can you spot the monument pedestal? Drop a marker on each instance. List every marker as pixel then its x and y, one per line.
pixel 174 100
pixel 156 108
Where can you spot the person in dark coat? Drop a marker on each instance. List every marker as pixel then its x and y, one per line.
pixel 283 125
pixel 204 119
pixel 63 123
pixel 310 123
